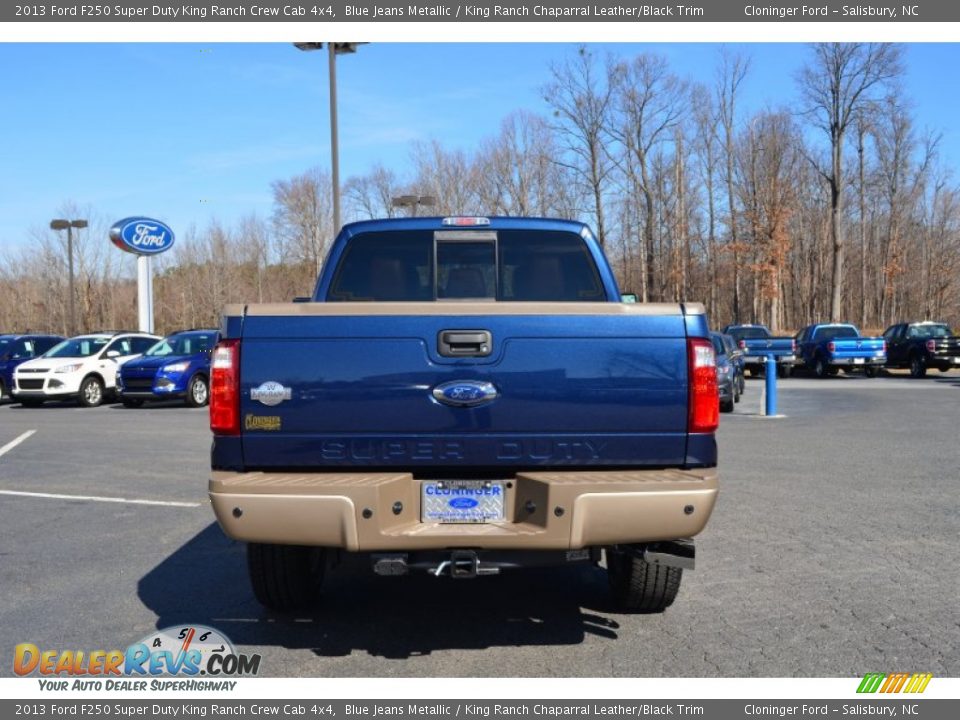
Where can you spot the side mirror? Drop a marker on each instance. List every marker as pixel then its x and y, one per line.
pixel 113 354
pixel 301 299
pixel 628 297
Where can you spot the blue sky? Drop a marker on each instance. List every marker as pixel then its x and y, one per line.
pixel 193 132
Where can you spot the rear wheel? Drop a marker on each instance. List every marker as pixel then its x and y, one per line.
pixel 726 406
pixel 198 392
pixel 820 368
pixel 3 392
pixel 638 586
pixel 871 371
pixel 918 368
pixel 285 577
pixel 783 371
pixel 91 392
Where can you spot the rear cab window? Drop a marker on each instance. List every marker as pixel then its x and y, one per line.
pixel 749 333
pixel 505 265
pixel 831 332
pixel 928 331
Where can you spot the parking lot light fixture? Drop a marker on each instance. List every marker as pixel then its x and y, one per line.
pixel 413 202
pixel 68 225
pixel 333 49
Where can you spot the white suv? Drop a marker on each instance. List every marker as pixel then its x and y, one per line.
pixel 84 367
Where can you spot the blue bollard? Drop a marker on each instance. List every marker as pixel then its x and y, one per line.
pixel 770 374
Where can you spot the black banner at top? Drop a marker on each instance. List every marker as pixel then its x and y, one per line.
pixel 479 11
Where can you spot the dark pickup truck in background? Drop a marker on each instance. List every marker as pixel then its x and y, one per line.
pixel 922 345
pixel 462 396
pixel 826 348
pixel 757 343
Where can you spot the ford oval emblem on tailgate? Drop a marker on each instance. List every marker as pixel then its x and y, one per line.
pixel 465 393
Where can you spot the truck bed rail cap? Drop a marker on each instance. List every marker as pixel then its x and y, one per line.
pixel 463 308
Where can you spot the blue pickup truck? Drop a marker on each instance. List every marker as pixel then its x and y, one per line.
pixel 826 348
pixel 756 342
pixel 462 396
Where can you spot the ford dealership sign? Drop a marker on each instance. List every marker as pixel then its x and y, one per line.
pixel 141 236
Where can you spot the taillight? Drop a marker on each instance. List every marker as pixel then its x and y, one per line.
pixel 793 345
pixel 704 396
pixel 742 344
pixel 832 346
pixel 931 345
pixel 225 388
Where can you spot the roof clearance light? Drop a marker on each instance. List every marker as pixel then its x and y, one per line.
pixel 466 221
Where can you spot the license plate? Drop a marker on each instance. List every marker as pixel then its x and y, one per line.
pixel 858 361
pixel 461 501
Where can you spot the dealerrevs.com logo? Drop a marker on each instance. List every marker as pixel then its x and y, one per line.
pixel 187 651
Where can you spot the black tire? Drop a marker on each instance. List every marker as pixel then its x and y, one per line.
pixel 285 577
pixel 871 371
pixel 198 391
pixel 726 406
pixel 132 402
pixel 918 367
pixel 820 368
pixel 636 585
pixel 784 371
pixel 736 391
pixel 91 392
pixel 4 395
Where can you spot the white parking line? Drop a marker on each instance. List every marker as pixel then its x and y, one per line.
pixel 13 443
pixel 97 498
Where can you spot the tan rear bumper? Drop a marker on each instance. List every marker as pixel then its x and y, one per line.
pixel 544 510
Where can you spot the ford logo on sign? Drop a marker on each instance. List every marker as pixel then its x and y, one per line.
pixel 141 236
pixel 463 503
pixel 465 393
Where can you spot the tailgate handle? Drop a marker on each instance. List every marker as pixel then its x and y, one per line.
pixel 464 343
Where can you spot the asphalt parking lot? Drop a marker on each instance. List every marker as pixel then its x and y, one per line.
pixel 832 552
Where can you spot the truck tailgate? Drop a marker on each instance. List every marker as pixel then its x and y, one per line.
pixel 598 384
pixel 857 347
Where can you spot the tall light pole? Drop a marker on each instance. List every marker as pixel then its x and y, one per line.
pixel 333 49
pixel 413 202
pixel 68 225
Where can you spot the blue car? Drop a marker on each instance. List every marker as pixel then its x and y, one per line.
pixel 17 349
pixel 176 367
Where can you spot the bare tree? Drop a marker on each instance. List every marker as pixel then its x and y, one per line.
pixel 649 103
pixel 770 158
pixel 707 122
pixel 733 70
pixel 371 195
pixel 581 105
pixel 303 216
pixel 841 81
